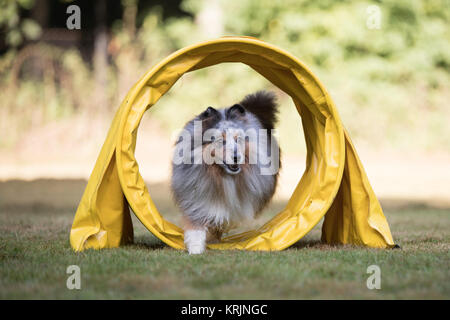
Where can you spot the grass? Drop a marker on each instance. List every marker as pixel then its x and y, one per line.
pixel 35 252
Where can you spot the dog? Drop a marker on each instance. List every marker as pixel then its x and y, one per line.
pixel 225 168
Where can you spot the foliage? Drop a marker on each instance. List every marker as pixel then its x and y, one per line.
pixel 17 30
pixel 390 85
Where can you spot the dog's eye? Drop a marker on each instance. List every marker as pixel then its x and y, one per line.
pixel 218 141
pixel 211 139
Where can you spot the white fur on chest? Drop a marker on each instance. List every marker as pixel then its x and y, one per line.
pixel 227 209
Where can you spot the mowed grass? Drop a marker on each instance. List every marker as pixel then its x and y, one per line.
pixel 35 219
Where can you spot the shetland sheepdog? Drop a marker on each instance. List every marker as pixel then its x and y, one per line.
pixel 225 168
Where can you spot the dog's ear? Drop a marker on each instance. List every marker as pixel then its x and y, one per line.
pixel 263 105
pixel 235 111
pixel 208 113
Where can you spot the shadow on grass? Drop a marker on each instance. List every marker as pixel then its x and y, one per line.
pixel 65 194
pixel 308 244
pixel 149 242
pixel 61 197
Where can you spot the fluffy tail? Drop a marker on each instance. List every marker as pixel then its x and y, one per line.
pixel 263 105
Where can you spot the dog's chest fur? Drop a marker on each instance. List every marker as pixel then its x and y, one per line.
pixel 233 205
pixel 224 201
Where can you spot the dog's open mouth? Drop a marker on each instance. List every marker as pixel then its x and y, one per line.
pixel 233 168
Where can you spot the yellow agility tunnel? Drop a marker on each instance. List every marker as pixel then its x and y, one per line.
pixel 334 184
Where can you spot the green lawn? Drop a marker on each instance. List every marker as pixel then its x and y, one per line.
pixel 35 219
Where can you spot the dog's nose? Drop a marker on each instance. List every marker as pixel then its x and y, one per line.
pixel 236 158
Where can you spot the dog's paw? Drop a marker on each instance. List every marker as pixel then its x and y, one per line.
pixel 196 249
pixel 195 241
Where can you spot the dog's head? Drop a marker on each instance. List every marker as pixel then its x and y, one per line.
pixel 224 139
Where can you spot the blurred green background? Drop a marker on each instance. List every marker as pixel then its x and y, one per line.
pixel 391 84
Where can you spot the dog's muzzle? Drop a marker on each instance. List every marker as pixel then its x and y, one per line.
pixel 232 168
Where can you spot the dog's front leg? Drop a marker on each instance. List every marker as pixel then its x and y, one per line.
pixel 194 237
pixel 195 240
